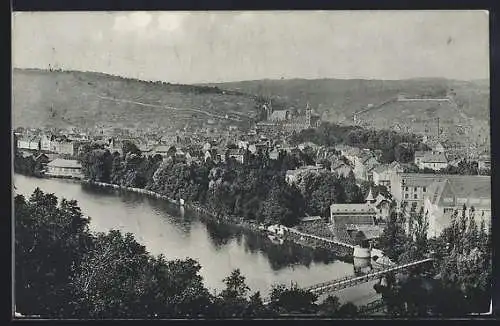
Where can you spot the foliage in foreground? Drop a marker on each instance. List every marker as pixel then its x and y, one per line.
pixel 64 271
pixel 460 280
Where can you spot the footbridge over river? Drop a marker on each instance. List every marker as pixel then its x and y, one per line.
pixel 349 281
pixel 328 242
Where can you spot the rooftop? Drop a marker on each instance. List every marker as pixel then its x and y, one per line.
pixel 431 156
pixel 62 163
pixel 352 208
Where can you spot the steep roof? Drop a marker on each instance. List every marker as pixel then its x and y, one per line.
pixel 352 208
pixel 369 197
pixel 161 149
pixel 62 163
pixel 431 156
pixel 471 191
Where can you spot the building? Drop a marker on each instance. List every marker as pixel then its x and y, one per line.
pixel 381 175
pixel 161 150
pixel 274 154
pixel 484 162
pixel 284 120
pixel 29 143
pixel 292 176
pixel 431 160
pixel 237 154
pixel 42 159
pixel 450 194
pixel 413 188
pixel 363 165
pixel 341 168
pixel 367 213
pixel 64 146
pixel 115 145
pixel 64 169
pixel 45 142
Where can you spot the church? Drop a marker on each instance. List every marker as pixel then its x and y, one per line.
pixel 286 121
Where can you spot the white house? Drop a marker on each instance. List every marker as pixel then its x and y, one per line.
pixel 64 168
pixel 431 160
pixel 31 143
pixel 446 196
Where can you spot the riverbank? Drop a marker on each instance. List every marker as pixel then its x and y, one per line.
pixel 290 234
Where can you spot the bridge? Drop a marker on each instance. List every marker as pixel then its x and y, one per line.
pixel 321 239
pixel 350 281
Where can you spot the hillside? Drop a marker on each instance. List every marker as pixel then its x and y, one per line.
pixel 87 99
pixel 60 99
pixel 338 99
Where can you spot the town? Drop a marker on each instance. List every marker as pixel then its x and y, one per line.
pixel 234 172
pixel 436 180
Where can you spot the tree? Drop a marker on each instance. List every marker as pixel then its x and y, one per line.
pixel 326 191
pixel 171 151
pixel 130 147
pixel 348 310
pixel 393 240
pixel 50 239
pixel 292 300
pixel 330 306
pixel 416 247
pixel 233 299
pixel 353 193
pixel 404 153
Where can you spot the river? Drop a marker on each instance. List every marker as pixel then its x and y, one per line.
pixel 164 228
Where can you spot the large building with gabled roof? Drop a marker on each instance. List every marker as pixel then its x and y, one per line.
pixel 449 195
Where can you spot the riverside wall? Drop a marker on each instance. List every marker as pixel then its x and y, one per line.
pixel 292 236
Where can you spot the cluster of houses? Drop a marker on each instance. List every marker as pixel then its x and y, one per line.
pixel 438 194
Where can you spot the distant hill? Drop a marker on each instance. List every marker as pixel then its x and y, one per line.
pixel 59 99
pixel 338 99
pixel 44 98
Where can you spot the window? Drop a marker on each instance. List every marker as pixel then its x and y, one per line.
pixel 415 189
pixel 406 196
pixel 415 196
pixel 406 188
pixel 424 189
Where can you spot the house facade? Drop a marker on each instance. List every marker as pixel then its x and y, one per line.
pixel 431 160
pixel 29 143
pixel 341 168
pixel 381 175
pixel 450 195
pixel 292 176
pixel 353 216
pixel 413 188
pixel 64 169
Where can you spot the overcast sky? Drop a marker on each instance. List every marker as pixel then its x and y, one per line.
pixel 198 47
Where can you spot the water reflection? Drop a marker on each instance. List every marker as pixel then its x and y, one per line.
pixel 165 228
pixel 279 255
pixel 220 233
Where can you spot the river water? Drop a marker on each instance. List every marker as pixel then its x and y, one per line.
pixel 164 228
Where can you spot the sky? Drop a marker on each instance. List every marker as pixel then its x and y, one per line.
pixel 202 47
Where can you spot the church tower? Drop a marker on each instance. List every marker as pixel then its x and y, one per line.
pixel 308 116
pixel 269 109
pixel 369 198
